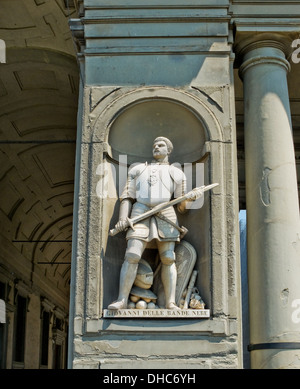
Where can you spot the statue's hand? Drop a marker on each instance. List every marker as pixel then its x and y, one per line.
pixel 122 225
pixel 195 194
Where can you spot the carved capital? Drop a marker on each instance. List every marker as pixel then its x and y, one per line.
pixel 247 40
pixel 77 30
pixel 254 49
pixel 259 58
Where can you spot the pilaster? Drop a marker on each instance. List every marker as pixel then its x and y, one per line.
pixel 159 69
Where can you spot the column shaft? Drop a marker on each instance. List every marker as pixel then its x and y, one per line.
pixel 272 209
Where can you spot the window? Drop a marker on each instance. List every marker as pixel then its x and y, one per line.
pixel 45 338
pixel 3 328
pixel 19 344
pixel 58 324
pixel 57 357
pixel 2 291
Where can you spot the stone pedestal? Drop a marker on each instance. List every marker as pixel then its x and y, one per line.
pixel 160 70
pixel 272 204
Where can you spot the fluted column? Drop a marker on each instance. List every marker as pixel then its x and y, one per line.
pixel 272 207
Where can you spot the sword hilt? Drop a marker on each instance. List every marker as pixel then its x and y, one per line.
pixel 115 231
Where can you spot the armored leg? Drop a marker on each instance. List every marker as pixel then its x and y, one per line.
pixel 133 254
pixel 168 272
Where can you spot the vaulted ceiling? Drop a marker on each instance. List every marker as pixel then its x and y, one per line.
pixel 38 111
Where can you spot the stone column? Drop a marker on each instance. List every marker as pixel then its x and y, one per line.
pixel 272 208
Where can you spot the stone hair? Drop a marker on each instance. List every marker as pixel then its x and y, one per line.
pixel 166 140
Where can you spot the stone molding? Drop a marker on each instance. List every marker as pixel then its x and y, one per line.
pixel 247 41
pixel 258 60
pixel 129 96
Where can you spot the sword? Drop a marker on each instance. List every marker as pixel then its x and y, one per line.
pixel 160 207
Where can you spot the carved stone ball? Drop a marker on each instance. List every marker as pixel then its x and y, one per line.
pixel 141 304
pixel 144 276
pixel 131 305
pixel 151 306
pixel 134 299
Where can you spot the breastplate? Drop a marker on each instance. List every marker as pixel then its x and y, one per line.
pixel 154 185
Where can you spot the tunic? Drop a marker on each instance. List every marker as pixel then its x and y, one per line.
pixel 147 186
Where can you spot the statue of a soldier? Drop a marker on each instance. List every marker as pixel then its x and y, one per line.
pixel 147 186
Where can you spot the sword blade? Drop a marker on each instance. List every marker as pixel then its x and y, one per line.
pixel 168 204
pixel 161 207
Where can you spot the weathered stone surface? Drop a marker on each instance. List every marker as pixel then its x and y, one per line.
pixel 187 70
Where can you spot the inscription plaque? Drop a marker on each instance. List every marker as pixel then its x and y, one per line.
pixel 157 313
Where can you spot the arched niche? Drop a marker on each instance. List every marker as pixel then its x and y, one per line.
pixel 133 131
pixel 128 125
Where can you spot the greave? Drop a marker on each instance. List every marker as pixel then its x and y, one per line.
pixel 169 278
pixel 127 277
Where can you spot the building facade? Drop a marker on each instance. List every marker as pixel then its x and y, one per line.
pixel 85 83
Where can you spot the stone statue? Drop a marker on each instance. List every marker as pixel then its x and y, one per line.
pixel 149 185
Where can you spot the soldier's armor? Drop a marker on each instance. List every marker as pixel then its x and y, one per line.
pixel 147 186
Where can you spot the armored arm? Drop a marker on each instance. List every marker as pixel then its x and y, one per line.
pixel 127 199
pixel 124 213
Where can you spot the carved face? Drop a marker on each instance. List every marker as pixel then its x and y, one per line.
pixel 160 150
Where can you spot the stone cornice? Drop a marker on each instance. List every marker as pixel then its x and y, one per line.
pixel 124 27
pixel 77 31
pixel 98 4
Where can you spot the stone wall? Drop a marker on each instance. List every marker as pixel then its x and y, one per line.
pixel 160 60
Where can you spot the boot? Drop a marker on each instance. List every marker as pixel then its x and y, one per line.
pixel 127 277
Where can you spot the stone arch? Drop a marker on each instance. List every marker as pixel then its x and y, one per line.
pixel 106 116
